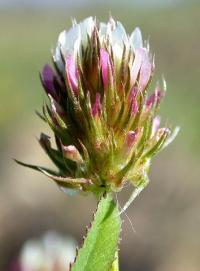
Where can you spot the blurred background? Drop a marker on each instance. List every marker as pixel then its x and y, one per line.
pixel 166 217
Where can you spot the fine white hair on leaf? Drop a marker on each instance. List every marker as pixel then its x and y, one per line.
pixel 130 221
pixel 135 193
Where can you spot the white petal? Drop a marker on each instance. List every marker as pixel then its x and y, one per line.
pixel 136 38
pixel 86 28
pixel 118 39
pixel 118 51
pixel 136 65
pixel 145 71
pixel 102 31
pixel 32 255
pixel 118 35
pixel 58 59
pixel 67 40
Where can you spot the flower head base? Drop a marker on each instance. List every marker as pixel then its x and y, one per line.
pixel 105 123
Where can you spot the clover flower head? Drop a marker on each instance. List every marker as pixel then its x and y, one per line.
pixel 104 119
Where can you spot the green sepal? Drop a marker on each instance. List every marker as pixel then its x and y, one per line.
pixel 37 168
pixel 64 183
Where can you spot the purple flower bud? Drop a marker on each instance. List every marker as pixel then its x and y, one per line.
pixel 72 73
pixel 48 79
pixel 96 109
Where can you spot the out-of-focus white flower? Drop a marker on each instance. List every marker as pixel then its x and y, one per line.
pixel 52 252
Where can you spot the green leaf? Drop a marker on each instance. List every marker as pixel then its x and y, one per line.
pixel 101 243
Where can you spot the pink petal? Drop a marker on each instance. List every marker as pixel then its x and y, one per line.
pixel 155 97
pixel 159 94
pixel 130 140
pixel 96 109
pixel 48 80
pixel 135 106
pixel 72 153
pixel 133 99
pixel 151 100
pixel 105 65
pixel 155 125
pixel 145 71
pixel 72 74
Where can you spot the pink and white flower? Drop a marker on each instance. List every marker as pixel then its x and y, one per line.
pixel 105 122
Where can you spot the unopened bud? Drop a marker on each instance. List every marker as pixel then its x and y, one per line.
pixel 130 140
pixel 71 153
